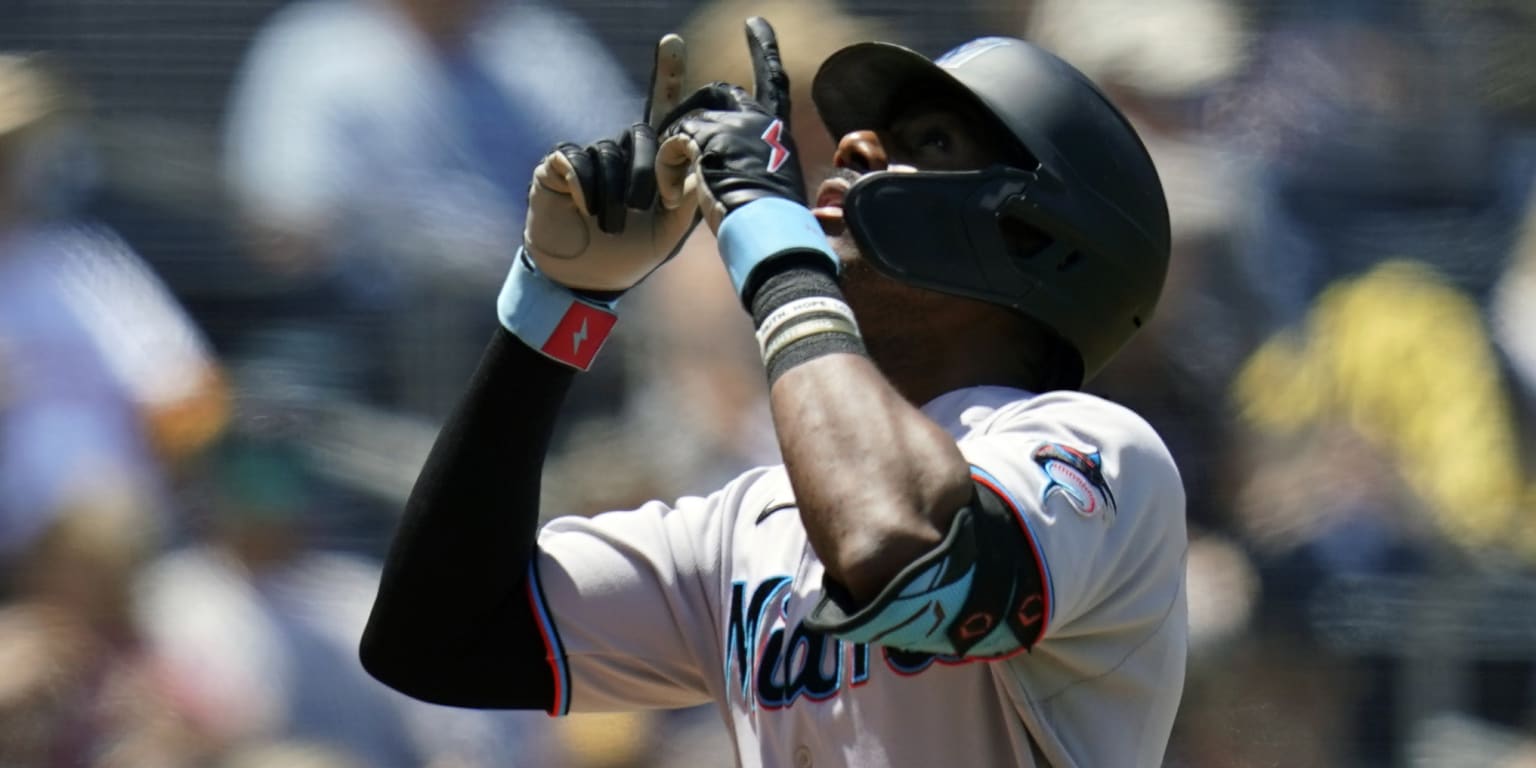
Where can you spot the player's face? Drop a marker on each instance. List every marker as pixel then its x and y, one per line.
pixel 928 136
pixel 931 136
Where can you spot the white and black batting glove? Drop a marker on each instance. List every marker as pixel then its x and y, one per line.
pixel 596 222
pixel 595 228
pixel 748 183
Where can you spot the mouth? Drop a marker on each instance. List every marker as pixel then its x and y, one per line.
pixel 828 209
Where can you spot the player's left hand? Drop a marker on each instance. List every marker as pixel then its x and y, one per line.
pixel 737 144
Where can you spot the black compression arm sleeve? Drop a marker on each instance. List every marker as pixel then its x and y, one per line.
pixel 452 623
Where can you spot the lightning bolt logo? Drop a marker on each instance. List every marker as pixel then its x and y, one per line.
pixel 774 138
pixel 578 336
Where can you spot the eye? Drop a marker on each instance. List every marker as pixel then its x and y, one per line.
pixel 935 139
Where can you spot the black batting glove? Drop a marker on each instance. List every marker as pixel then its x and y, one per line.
pixel 737 143
pixel 736 148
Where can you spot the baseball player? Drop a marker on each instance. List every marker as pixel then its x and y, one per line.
pixel 962 561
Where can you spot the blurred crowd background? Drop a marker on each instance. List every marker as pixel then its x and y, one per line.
pixel 248 256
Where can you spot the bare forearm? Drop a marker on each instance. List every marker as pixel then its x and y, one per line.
pixel 877 482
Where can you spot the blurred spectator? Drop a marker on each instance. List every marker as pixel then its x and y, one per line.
pixel 77 685
pixel 1310 165
pixel 285 754
pixel 1163 53
pixel 1457 742
pixel 1272 702
pixel 1491 39
pixel 102 377
pixel 1513 318
pixel 260 630
pixel 614 739
pixel 1375 147
pixel 1386 470
pixel 103 382
pixel 1404 360
pixel 380 152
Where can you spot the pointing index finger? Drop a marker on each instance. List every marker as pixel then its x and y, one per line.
pixel 770 83
pixel 667 75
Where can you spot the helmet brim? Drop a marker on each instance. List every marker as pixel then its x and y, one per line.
pixel 862 86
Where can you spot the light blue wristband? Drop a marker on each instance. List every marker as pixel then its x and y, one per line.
pixel 762 229
pixel 551 318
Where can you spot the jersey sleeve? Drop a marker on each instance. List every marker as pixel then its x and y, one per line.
pixel 1101 503
pixel 627 602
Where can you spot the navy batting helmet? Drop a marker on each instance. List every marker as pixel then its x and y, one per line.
pixel 1090 195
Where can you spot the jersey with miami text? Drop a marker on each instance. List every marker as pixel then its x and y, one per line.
pixel 704 601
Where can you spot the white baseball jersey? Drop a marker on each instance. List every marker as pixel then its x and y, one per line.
pixel 703 601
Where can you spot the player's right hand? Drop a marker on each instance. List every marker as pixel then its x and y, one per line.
pixel 595 219
pixel 737 144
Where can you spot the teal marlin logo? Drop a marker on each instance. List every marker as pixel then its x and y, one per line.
pixel 1078 475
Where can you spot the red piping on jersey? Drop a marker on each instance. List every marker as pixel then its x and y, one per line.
pixel 559 704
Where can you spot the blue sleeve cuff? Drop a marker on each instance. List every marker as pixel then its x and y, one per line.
pixel 755 233
pixel 550 318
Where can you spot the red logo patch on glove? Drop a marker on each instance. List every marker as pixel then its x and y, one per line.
pixel 773 138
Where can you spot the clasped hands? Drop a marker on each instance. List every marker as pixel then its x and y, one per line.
pixel 603 217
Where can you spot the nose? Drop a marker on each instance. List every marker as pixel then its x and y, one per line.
pixel 861 151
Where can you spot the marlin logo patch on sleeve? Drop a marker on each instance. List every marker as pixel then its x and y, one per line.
pixel 1077 475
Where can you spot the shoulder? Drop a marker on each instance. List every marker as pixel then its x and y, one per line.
pixel 1034 445
pixel 1068 414
pixel 1102 502
pixel 1071 406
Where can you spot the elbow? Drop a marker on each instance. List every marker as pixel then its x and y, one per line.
pixel 482 667
pixel 387 662
pixel 865 563
pixel 402 666
pixel 408 673
pixel 377 656
pixel 868 534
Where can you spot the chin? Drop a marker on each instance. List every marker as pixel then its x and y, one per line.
pixel 862 286
pixel 871 294
pixel 846 250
